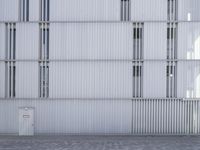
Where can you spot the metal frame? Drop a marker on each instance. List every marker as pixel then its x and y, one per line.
pixel 112 21
pixel 95 98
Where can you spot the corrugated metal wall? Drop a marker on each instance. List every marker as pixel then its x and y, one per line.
pixel 161 116
pixel 142 116
pixel 92 62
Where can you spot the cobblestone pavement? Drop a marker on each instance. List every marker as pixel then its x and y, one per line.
pixel 99 143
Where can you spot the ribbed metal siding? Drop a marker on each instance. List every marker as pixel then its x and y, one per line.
pixel 34 10
pixel 70 116
pixel 2 79
pixel 189 40
pixel 27 80
pixel 137 117
pixel 27 41
pixel 189 79
pixel 154 79
pixel 148 10
pixel 9 10
pixel 95 41
pixel 188 10
pixel 90 79
pixel 155 41
pixel 85 10
pixel 2 56
pixel 166 116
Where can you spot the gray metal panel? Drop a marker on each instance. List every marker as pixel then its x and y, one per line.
pixel 160 116
pixel 2 79
pixel 70 117
pixel 34 10
pixel 148 10
pixel 27 41
pixel 9 10
pixel 95 41
pixel 154 79
pixel 86 79
pixel 2 41
pixel 188 10
pixel 87 10
pixel 27 79
pixel 188 79
pixel 189 41
pixel 155 40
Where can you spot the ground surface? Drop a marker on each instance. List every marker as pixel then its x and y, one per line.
pixel 99 143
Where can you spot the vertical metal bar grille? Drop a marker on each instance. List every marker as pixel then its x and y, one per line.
pixel 125 10
pixel 44 10
pixel 44 63
pixel 24 10
pixel 172 10
pixel 166 116
pixel 171 69
pixel 137 57
pixel 10 56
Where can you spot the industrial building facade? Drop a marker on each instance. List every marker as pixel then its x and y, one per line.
pixel 100 67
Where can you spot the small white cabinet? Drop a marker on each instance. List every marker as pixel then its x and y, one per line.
pixel 26 121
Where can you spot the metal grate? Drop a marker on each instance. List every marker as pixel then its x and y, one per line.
pixel 171 63
pixel 125 10
pixel 10 56
pixel 172 9
pixel 44 10
pixel 44 63
pixel 137 56
pixel 24 10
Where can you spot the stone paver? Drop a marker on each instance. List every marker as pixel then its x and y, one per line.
pixel 100 143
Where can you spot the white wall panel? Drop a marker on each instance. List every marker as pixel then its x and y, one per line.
pixel 91 41
pixel 154 79
pixel 90 79
pixel 70 116
pixel 27 80
pixel 188 79
pixel 2 41
pixel 2 79
pixel 148 10
pixel 84 10
pixel 189 40
pixel 188 10
pixel 155 41
pixel 27 41
pixel 34 10
pixel 9 10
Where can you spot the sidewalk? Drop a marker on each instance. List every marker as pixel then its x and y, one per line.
pixel 99 143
